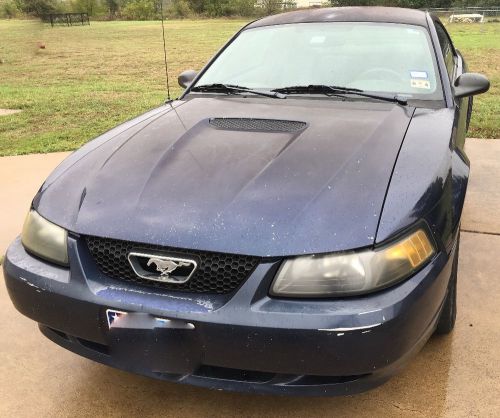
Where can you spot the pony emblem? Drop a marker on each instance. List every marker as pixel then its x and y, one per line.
pixel 165 266
pixel 162 268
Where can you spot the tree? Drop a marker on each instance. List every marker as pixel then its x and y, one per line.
pixel 8 9
pixel 271 6
pixel 113 8
pixel 244 7
pixel 197 6
pixel 179 8
pixel 88 6
pixel 140 10
pixel 37 8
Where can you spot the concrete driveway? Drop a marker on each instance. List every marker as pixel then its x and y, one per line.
pixel 456 376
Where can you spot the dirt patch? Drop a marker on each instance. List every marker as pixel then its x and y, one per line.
pixel 5 112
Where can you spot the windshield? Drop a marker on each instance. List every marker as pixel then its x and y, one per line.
pixel 375 57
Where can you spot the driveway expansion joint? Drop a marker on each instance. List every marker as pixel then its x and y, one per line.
pixel 471 231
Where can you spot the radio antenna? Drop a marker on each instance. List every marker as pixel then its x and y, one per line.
pixel 164 49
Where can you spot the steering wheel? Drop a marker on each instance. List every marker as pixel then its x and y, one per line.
pixel 393 74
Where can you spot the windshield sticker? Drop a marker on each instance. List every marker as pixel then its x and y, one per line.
pixel 418 83
pixel 317 39
pixel 419 74
pixel 413 31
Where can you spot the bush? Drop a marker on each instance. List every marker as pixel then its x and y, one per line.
pixel 8 9
pixel 245 7
pixel 179 9
pixel 233 8
pixel 271 6
pixel 141 10
pixel 38 8
pixel 92 7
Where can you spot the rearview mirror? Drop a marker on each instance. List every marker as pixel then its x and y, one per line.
pixel 186 78
pixel 470 84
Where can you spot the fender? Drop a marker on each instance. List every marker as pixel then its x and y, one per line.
pixel 424 184
pixel 460 167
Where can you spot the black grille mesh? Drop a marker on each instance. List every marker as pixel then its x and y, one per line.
pixel 216 273
pixel 249 124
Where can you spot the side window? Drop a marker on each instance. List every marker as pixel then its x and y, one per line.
pixel 447 49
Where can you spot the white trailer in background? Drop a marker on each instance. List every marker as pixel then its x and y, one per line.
pixel 467 18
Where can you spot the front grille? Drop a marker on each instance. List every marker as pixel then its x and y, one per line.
pixel 262 125
pixel 216 272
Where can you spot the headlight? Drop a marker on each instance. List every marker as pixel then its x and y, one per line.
pixel 45 239
pixel 353 273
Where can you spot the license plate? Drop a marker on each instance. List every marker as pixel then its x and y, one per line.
pixel 140 320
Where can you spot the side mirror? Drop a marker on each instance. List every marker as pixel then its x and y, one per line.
pixel 186 78
pixel 470 84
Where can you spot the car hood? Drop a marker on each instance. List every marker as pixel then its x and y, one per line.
pixel 170 177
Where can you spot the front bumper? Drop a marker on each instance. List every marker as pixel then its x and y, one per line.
pixel 246 342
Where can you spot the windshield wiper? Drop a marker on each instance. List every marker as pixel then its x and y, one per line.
pixel 231 88
pixel 337 91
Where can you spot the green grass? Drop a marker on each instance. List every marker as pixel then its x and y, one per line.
pixel 480 46
pixel 88 79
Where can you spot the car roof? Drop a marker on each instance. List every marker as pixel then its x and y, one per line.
pixel 346 14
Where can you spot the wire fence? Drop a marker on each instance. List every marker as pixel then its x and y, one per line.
pixel 487 11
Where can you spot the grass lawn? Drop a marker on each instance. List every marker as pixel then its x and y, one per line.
pixel 88 79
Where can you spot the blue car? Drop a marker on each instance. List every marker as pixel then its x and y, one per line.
pixel 289 225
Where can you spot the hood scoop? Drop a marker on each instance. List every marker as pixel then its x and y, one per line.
pixel 257 125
